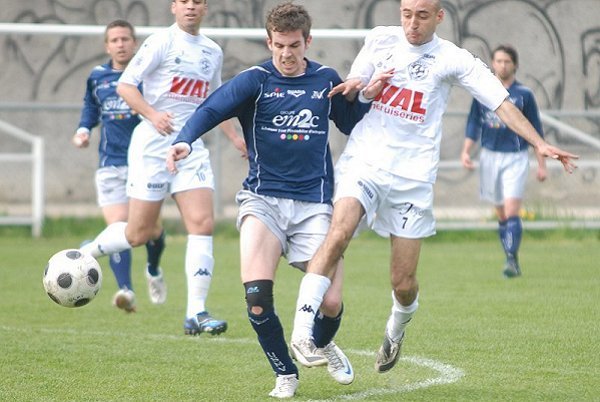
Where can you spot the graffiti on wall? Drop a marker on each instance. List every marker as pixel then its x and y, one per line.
pixel 558 42
pixel 549 49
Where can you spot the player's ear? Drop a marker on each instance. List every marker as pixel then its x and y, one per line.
pixel 308 41
pixel 269 43
pixel 440 16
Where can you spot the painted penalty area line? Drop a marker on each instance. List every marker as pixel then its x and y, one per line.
pixel 447 374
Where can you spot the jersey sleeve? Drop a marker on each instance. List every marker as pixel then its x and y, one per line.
pixel 532 113
pixel 473 129
pixel 228 101
pixel 90 113
pixel 473 75
pixel 362 66
pixel 146 60
pixel 216 80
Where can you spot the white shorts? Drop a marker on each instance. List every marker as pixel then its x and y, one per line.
pixel 149 178
pixel 394 205
pixel 300 226
pixel 502 175
pixel 111 182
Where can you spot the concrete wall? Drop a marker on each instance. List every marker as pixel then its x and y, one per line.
pixel 558 41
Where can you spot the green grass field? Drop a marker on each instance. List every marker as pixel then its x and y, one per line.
pixel 476 336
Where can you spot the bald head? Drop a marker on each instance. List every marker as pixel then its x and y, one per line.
pixel 435 4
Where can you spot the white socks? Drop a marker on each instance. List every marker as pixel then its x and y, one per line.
pixel 312 289
pixel 111 240
pixel 400 317
pixel 199 264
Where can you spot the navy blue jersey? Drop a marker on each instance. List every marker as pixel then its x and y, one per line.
pixel 102 104
pixel 285 121
pixel 495 136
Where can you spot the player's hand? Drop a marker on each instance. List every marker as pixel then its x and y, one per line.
pixel 378 81
pixel 177 152
pixel 240 145
pixel 563 157
pixel 466 161
pixel 162 122
pixel 542 173
pixel 348 88
pixel 81 140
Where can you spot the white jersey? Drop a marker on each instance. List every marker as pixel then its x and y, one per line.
pixel 177 71
pixel 402 132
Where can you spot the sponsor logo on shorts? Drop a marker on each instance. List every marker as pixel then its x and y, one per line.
pixel 155 186
pixel 366 189
pixel 406 207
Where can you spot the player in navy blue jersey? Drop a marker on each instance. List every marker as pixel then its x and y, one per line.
pixel 504 159
pixel 102 105
pixel 285 203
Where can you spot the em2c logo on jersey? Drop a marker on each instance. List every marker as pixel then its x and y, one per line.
pixel 401 102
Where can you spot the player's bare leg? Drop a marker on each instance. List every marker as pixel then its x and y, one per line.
pixel 405 289
pixel 346 216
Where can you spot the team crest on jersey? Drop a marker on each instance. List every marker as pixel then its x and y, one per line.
pixel 318 94
pixel 419 69
pixel 205 65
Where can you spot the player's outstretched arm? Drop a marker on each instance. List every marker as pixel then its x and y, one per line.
pixel 177 152
pixel 378 81
pixel 542 172
pixel 515 120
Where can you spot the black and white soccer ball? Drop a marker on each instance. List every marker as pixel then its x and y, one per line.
pixel 71 278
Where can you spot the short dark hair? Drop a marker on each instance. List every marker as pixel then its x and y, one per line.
pixel 288 17
pixel 120 24
pixel 509 50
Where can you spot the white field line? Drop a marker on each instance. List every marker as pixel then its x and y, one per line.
pixel 447 373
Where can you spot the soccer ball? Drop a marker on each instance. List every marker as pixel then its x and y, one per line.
pixel 71 278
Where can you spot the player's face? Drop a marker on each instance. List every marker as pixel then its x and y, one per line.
pixel 288 49
pixel 120 46
pixel 420 19
pixel 188 14
pixel 503 66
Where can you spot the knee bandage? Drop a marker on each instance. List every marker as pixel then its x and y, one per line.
pixel 259 293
